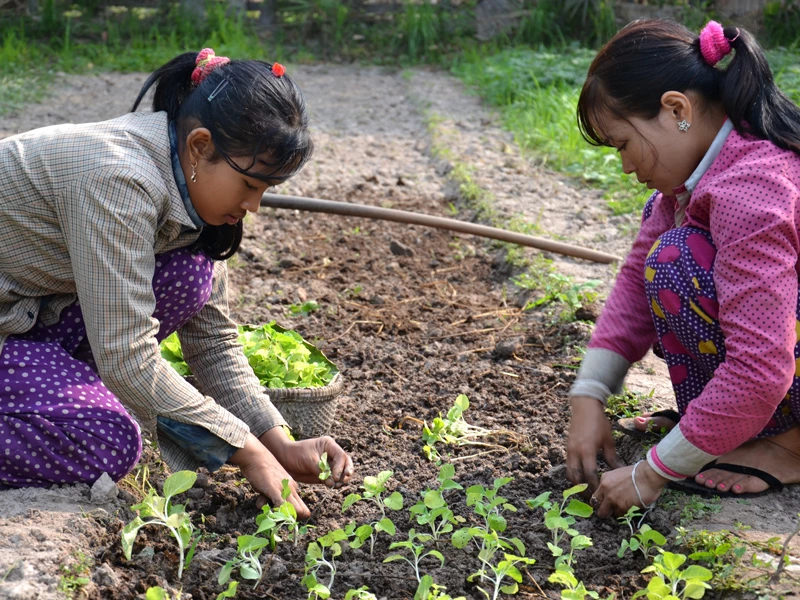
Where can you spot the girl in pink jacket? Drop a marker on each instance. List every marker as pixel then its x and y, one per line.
pixel 712 279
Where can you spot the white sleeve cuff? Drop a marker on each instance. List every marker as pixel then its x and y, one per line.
pixel 677 458
pixel 601 374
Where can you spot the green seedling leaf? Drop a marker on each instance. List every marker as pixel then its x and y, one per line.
pixel 225 573
pixel 248 572
pixel 541 501
pixel 433 499
pixel 386 525
pixel 350 500
pixel 129 535
pixel 576 489
pixel 156 593
pixel 324 468
pixel 497 522
pixel 394 501
pixel 578 509
pixel 179 482
pixel 286 491
pixel 230 592
pixel 462 537
pixel 446 471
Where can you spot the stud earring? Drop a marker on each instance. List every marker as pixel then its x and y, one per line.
pixel 194 172
pixel 684 125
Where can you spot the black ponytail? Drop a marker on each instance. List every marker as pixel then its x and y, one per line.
pixel 252 114
pixel 649 57
pixel 751 99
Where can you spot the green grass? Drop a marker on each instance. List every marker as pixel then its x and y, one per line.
pixel 537 92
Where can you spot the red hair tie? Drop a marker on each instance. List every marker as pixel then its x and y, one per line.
pixel 206 62
pixel 278 70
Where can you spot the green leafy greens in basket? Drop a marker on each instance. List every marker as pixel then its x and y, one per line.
pixel 279 357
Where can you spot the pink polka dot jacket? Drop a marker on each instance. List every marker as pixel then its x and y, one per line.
pixel 748 200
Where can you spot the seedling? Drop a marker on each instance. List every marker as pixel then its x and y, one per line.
pixel 159 511
pixel 433 511
pixel 454 430
pixel 497 573
pixel 159 593
pixel 75 576
pixel 643 539
pixel 272 520
pixel 488 504
pixel 361 593
pixel 559 518
pixel 415 550
pixel 247 560
pixel 427 590
pixel 374 488
pixel 324 467
pixel 316 560
pixel 720 550
pixel 304 309
pixel 666 585
pixel 230 592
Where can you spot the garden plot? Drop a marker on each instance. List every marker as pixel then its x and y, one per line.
pixel 413 318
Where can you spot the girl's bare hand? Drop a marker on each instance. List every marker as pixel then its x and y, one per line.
pixel 265 473
pixel 589 433
pixel 301 459
pixel 616 493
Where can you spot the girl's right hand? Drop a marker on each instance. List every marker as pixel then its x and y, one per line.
pixel 265 474
pixel 589 433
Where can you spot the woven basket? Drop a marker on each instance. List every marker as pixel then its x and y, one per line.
pixel 309 411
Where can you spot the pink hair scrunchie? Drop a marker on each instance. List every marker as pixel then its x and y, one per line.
pixel 713 44
pixel 206 62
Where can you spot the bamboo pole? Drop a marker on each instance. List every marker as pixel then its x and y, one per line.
pixel 403 216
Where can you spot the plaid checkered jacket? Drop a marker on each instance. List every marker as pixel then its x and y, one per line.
pixel 84 209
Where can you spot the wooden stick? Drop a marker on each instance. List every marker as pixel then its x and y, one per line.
pixel 411 218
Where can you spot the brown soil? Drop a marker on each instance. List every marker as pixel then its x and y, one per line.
pixel 410 328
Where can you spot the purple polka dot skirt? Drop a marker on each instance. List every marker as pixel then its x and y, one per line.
pixel 679 283
pixel 58 422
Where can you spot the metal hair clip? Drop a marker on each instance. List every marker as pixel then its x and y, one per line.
pixel 220 86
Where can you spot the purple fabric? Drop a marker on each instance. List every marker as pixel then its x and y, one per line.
pixel 684 306
pixel 58 422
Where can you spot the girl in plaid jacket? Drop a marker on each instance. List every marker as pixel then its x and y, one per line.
pixel 116 235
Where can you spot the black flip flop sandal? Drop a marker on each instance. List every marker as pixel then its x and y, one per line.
pixel 690 486
pixel 627 426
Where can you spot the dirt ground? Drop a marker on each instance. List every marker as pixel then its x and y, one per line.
pixel 412 317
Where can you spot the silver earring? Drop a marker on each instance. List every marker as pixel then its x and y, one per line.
pixel 194 172
pixel 684 125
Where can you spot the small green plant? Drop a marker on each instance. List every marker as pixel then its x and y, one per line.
pixel 361 593
pixel 159 511
pixel 428 590
pixel 159 593
pixel 559 518
pixel 75 576
pixel 230 592
pixel 322 554
pixel 671 582
pixel 324 467
pixel 495 574
pixel 417 551
pixel 272 520
pixel 374 487
pixel 304 309
pixel 562 289
pixel 644 540
pixel 432 510
pixel 452 429
pixel 247 560
pixel 628 404
pixel 721 551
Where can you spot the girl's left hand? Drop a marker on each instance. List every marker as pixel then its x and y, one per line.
pixel 301 459
pixel 616 493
